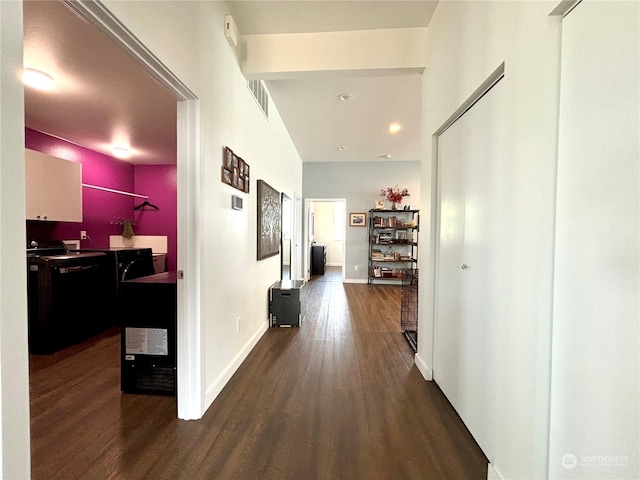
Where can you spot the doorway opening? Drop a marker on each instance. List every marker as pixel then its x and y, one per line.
pixel 189 350
pixel 325 229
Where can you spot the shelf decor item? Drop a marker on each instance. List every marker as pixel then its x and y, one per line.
pixel 357 219
pixel 394 195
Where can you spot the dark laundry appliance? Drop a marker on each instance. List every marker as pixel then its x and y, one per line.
pixel 126 264
pixel 68 296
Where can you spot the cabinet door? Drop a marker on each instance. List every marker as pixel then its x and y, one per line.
pixel 33 186
pixel 62 189
pixel 53 188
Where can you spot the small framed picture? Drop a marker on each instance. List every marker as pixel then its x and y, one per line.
pixel 246 184
pixel 234 162
pixel 246 169
pixel 227 161
pixel 240 184
pixel 401 234
pixel 234 178
pixel 227 176
pixel 357 219
pixel 241 166
pixel 380 204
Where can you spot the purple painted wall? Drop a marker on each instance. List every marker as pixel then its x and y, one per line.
pixel 159 182
pixel 103 212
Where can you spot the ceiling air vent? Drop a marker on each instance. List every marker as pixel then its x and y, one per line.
pixel 259 92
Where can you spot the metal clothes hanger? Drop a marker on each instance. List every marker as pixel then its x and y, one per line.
pixel 144 205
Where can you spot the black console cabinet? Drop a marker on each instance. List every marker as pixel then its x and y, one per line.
pixel 148 347
pixel 318 259
pixel 286 303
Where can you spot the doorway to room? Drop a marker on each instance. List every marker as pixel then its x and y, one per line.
pixel 325 229
pixel 189 392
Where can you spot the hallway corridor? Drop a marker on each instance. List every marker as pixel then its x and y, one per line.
pixel 338 398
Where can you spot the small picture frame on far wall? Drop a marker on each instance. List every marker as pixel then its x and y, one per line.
pixel 357 219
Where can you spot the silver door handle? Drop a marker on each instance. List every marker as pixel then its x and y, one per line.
pixel 464 266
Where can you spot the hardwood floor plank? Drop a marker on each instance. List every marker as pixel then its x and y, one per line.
pixel 338 398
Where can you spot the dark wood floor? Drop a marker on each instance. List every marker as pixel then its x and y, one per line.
pixel 339 398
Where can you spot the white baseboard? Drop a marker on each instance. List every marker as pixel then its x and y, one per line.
pixel 354 280
pixel 426 372
pixel 492 473
pixel 333 264
pixel 214 390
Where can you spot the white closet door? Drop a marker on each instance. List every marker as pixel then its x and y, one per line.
pixel 467 316
pixel 595 401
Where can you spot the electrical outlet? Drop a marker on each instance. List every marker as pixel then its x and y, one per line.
pixel 238 324
pixel 83 234
pixel 355 267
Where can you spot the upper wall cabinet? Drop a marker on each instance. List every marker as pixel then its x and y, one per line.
pixel 53 188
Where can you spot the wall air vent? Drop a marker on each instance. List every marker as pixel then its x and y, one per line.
pixel 261 95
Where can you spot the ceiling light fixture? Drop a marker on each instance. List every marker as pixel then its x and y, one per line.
pixel 37 79
pixel 395 128
pixel 340 149
pixel 343 97
pixel 385 157
pixel 120 152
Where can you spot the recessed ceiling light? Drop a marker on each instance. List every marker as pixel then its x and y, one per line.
pixel 341 148
pixel 120 152
pixel 394 128
pixel 386 157
pixel 37 79
pixel 343 97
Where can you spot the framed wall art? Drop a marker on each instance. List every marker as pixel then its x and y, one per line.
pixel 268 221
pixel 227 176
pixel 357 219
pixel 235 171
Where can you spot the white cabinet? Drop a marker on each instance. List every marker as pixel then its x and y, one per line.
pixel 53 188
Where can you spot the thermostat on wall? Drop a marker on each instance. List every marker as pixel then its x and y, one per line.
pixel 236 202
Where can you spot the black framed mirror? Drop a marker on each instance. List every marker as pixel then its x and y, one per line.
pixel 286 216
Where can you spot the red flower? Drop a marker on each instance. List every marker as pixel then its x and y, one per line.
pixel 395 194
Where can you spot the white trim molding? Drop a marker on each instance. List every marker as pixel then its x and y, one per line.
pixel 214 390
pixel 492 473
pixel 426 372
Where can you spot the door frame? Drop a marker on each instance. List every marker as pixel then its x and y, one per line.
pixel 190 350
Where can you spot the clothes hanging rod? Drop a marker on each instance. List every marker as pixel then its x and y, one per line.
pixel 120 192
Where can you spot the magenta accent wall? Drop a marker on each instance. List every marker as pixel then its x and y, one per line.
pixel 159 183
pixel 102 212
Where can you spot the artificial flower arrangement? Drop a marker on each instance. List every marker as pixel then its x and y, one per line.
pixel 394 195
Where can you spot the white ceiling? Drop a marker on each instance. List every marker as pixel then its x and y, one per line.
pixel 104 97
pixel 257 17
pixel 317 122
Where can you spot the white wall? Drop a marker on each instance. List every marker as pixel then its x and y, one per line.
pixel 325 232
pixel 360 184
pixel 14 375
pixel 234 283
pixel 595 391
pixel 467 41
